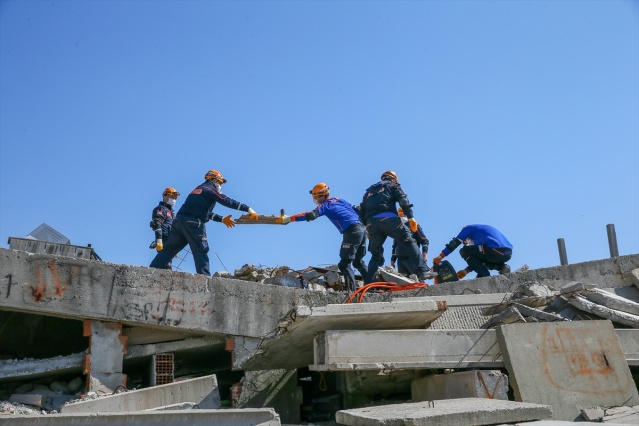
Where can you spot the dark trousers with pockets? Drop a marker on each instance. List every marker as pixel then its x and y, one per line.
pixel 378 230
pixel 481 258
pixel 352 251
pixel 186 230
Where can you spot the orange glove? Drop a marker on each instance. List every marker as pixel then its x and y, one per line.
pixel 438 259
pixel 228 221
pixel 413 224
pixel 461 274
pixel 252 214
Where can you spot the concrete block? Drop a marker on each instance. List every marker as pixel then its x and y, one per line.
pixel 229 417
pixel 491 384
pixel 35 400
pixel 634 277
pixel 394 349
pixel 292 346
pixel 202 391
pixel 105 384
pixel 593 414
pixel 569 365
pixel 467 411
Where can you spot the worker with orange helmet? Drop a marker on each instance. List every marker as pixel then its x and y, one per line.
pixel 162 218
pixel 399 255
pixel 378 211
pixel 343 215
pixel 189 224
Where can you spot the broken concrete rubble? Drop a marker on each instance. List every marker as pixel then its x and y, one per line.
pixel 164 310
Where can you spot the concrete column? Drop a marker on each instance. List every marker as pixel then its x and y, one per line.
pixel 103 363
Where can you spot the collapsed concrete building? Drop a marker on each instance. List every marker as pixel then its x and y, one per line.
pixel 79 336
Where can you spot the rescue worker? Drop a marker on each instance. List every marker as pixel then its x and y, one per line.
pixel 403 258
pixel 189 224
pixel 162 218
pixel 378 211
pixel 485 248
pixel 343 215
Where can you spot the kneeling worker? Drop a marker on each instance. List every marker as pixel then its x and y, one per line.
pixel 485 248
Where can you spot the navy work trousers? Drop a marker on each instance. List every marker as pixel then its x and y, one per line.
pixel 186 230
pixel 481 258
pixel 378 230
pixel 352 251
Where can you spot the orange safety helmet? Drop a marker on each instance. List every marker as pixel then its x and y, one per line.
pixel 214 175
pixel 390 175
pixel 171 193
pixel 320 190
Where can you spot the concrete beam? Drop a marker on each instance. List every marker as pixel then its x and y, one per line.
pixel 425 349
pixel 569 365
pixel 465 411
pixel 292 347
pixel 246 417
pixel 140 296
pixel 202 391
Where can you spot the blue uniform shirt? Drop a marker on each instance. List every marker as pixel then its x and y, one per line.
pixel 340 212
pixel 201 201
pixel 484 235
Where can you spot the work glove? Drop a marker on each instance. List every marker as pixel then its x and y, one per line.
pixel 228 221
pixel 437 260
pixel 158 244
pixel 461 274
pixel 252 214
pixel 284 219
pixel 413 224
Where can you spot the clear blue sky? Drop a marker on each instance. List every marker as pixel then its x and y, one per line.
pixel 519 114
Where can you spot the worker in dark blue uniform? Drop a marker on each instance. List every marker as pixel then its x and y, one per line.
pixel 189 224
pixel 162 219
pixel 485 248
pixel 378 211
pixel 399 254
pixel 343 215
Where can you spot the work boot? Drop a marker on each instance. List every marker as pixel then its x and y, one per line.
pixel 505 269
pixel 428 275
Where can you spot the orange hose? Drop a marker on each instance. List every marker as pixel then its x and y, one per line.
pixel 388 286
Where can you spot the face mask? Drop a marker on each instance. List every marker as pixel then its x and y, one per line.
pixel 317 203
pixel 171 201
pixel 218 187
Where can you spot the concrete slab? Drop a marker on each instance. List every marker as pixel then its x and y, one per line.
pixel 246 417
pixel 466 411
pixel 203 391
pixel 569 365
pixel 293 346
pixel 491 384
pixel 339 350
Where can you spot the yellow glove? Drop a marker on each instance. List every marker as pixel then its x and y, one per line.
pixel 413 225
pixel 252 214
pixel 461 274
pixel 228 221
pixel 158 244
pixel 284 219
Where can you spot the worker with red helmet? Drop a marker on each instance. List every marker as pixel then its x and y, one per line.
pixel 343 215
pixel 189 224
pixel 162 219
pixel 378 211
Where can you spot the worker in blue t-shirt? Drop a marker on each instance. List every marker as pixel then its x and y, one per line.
pixel 342 214
pixel 485 248
pixel 189 225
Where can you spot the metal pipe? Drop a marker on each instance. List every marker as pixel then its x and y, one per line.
pixel 563 257
pixel 612 240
